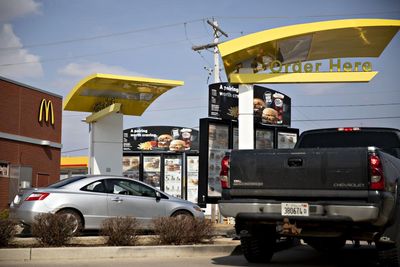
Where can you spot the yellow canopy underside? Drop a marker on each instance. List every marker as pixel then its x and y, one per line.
pixel 74 162
pixel 134 93
pixel 311 41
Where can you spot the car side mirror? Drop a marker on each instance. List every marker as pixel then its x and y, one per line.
pixel 158 196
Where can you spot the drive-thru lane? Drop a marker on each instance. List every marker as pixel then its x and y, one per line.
pixel 301 255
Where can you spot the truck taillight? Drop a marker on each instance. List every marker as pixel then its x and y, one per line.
pixel 224 172
pixel 348 129
pixel 37 196
pixel 376 173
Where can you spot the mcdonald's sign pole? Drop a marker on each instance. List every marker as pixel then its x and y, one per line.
pixel 46 110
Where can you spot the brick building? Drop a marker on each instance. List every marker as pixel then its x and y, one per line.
pixel 30 138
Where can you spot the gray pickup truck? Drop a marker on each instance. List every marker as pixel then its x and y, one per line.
pixel 335 185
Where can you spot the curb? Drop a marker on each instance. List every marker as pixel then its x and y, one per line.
pixel 78 253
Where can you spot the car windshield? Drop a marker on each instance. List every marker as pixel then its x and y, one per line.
pixel 66 181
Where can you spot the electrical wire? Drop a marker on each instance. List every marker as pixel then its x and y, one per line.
pixel 90 38
pixel 352 105
pixel 96 54
pixel 310 16
pixel 350 119
pixel 74 150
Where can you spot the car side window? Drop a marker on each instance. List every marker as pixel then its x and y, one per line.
pixel 124 187
pixel 97 186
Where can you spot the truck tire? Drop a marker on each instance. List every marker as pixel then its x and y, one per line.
pixel 389 254
pixel 257 247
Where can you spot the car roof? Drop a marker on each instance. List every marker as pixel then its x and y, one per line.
pixel 77 182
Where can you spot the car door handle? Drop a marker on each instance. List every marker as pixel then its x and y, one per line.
pixel 295 162
pixel 117 199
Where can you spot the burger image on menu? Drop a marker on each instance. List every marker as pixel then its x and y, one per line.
pixel 270 116
pixel 177 145
pixel 164 141
pixel 259 106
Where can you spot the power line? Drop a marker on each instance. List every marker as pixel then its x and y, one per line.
pixel 95 54
pixel 74 150
pixel 310 16
pixel 350 119
pixel 90 38
pixel 352 105
pixel 187 38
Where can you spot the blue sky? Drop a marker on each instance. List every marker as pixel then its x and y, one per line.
pixel 52 45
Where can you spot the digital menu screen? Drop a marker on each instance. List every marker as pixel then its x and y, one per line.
pixel 152 170
pixel 270 107
pixel 287 140
pixel 218 145
pixel 192 178
pixel 131 167
pixel 264 139
pixel 160 138
pixel 173 176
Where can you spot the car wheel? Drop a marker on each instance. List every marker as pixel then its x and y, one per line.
pixel 181 214
pixel 75 219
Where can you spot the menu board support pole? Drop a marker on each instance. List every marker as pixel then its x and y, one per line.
pixel 246 117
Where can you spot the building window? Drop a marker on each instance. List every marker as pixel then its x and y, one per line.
pixel 4 169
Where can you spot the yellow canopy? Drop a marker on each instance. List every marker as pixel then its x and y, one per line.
pixel 98 91
pixel 311 41
pixel 74 162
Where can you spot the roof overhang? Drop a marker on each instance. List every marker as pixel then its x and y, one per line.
pixel 99 91
pixel 352 38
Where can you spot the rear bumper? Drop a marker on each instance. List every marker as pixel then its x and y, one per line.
pixel 26 213
pixel 330 212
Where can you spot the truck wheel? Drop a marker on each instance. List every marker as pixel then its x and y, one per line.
pixel 326 244
pixel 257 247
pixel 389 254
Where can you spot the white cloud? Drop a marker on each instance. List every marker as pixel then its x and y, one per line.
pixel 84 69
pixel 10 58
pixel 10 9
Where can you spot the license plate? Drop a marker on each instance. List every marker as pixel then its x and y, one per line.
pixel 295 209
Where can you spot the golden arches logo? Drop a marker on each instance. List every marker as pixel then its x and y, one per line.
pixel 46 110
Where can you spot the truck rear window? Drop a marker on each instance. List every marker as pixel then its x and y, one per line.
pixel 387 141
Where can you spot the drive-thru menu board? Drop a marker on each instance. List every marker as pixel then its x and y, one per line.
pixel 130 167
pixel 173 175
pixel 270 107
pixel 152 170
pixel 160 139
pixel 218 145
pixel 192 178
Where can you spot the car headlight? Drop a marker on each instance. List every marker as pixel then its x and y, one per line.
pixel 197 208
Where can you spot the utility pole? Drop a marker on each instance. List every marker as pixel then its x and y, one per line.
pixel 217 33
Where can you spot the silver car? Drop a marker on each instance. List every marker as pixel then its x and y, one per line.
pixel 91 199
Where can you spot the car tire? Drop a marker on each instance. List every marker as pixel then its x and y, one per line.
pixel 257 247
pixel 76 219
pixel 326 244
pixel 182 214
